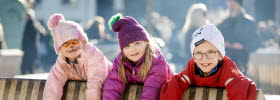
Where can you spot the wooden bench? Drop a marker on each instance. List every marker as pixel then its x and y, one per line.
pixel 32 89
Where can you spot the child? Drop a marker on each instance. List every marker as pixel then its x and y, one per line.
pixel 77 60
pixel 209 67
pixel 139 62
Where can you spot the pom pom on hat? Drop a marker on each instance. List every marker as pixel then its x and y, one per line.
pixel 54 19
pixel 114 19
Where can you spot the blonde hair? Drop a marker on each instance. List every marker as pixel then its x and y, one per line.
pixel 144 68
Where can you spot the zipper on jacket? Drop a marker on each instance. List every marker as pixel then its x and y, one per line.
pixel 78 73
pixel 133 72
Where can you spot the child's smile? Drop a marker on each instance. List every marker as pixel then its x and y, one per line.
pixel 73 51
pixel 206 64
pixel 135 54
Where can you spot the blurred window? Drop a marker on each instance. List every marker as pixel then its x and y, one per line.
pixel 68 2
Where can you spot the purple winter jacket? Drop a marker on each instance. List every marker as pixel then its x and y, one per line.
pixel 159 73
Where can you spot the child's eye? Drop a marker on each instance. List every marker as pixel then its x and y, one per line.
pixel 75 40
pixel 209 52
pixel 198 53
pixel 127 46
pixel 65 43
pixel 138 43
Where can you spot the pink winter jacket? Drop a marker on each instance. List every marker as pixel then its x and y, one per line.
pixel 92 66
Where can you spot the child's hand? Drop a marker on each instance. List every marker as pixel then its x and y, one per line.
pixel 184 78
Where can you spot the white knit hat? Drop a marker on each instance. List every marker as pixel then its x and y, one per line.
pixel 211 34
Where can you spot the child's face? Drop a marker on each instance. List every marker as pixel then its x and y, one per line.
pixel 134 51
pixel 72 48
pixel 206 56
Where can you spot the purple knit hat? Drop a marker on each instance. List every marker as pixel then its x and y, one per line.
pixel 64 31
pixel 129 30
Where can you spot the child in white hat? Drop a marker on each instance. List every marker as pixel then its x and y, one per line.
pixel 209 67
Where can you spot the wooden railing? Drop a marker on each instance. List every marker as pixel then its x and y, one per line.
pixel 32 89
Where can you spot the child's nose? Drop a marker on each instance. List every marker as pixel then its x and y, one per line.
pixel 71 46
pixel 134 47
pixel 204 57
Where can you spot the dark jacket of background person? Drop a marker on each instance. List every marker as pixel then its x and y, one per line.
pixel 30 43
pixel 243 30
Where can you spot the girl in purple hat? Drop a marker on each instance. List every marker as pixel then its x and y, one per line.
pixel 139 62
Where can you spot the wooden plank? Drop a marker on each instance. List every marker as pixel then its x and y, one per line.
pixel 186 94
pixel 76 90
pixel 41 90
pixel 225 95
pixel 220 93
pixel 29 89
pixel 23 90
pixel 82 92
pixel 126 93
pixel 7 89
pixel 132 92
pixel 192 93
pixel 12 91
pixel 206 93
pixel 18 88
pixel 70 91
pixel 213 94
pixel 65 90
pixel 2 88
pixel 199 93
pixel 35 90
pixel 139 92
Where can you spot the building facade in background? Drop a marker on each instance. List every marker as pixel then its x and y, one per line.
pixel 77 10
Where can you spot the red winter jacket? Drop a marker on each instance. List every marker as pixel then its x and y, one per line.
pixel 239 88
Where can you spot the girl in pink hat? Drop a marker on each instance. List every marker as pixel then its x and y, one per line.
pixel 77 60
pixel 139 62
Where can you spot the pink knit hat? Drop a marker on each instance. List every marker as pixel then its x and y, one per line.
pixel 128 29
pixel 64 31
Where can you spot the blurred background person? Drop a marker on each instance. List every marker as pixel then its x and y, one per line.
pixel 268 33
pixel 96 30
pixel 240 34
pixel 194 19
pixel 47 54
pixel 161 29
pixel 30 43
